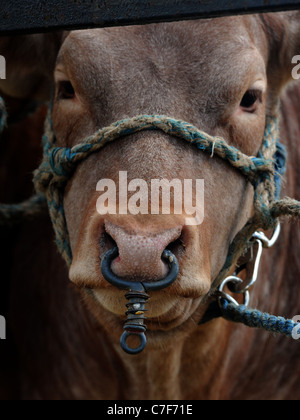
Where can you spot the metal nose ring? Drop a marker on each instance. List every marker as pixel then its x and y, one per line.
pixel 137 296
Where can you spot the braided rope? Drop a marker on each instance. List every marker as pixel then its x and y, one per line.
pixel 3 115
pixel 286 207
pixel 60 163
pixel 13 214
pixel 255 319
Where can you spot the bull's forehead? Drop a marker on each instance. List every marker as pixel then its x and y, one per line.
pixel 193 70
pixel 192 55
pixel 232 32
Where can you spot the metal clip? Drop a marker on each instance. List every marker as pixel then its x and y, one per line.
pixel 268 243
pixel 134 324
pixel 233 281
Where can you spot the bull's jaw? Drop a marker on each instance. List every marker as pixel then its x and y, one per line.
pixel 164 311
pixel 168 317
pixel 167 309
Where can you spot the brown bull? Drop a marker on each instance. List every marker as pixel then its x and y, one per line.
pixel 224 76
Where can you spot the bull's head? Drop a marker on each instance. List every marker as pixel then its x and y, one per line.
pixel 223 76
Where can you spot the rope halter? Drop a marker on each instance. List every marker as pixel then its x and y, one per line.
pixel 263 171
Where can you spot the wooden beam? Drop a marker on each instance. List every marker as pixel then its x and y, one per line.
pixel 33 16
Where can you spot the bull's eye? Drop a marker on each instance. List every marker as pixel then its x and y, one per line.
pixel 250 100
pixel 65 90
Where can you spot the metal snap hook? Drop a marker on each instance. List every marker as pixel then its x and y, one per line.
pixel 268 243
pixel 263 242
pixel 137 296
pixel 234 280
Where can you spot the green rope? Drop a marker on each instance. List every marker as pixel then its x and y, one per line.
pixel 60 163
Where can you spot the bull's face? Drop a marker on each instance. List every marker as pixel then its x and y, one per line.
pixel 213 74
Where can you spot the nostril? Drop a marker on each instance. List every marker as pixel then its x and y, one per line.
pixel 106 243
pixel 178 246
pixel 140 252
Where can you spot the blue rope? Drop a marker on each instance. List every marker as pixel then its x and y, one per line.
pixel 3 115
pixel 280 167
pixel 255 319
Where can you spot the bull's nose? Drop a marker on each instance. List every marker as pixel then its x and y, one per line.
pixel 140 253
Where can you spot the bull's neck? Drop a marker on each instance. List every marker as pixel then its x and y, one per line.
pixel 210 362
pixel 155 373
pixel 185 369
